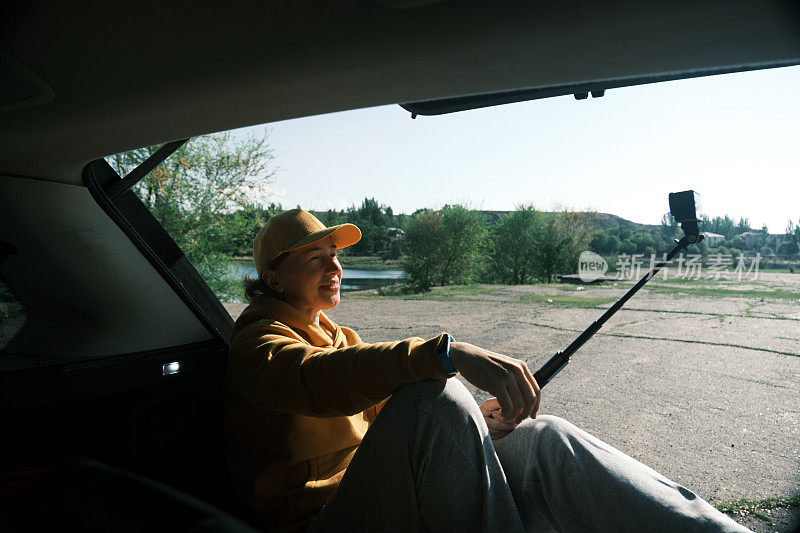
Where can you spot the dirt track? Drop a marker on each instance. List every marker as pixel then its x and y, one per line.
pixel 699 380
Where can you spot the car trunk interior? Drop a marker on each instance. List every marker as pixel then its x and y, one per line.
pixel 112 363
pixel 111 303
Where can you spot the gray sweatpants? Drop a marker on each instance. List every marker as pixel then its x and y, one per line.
pixel 427 463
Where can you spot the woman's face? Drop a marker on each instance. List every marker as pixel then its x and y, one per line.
pixel 309 278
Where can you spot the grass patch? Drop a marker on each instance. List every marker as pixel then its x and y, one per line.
pixel 704 314
pixel 565 300
pixel 756 508
pixel 695 341
pixel 709 292
pixel 673 280
pixel 669 339
pixel 369 262
pixel 451 292
pixel 440 294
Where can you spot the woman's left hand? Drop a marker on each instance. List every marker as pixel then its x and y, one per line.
pixel 498 428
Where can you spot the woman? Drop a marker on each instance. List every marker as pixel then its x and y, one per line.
pixel 326 432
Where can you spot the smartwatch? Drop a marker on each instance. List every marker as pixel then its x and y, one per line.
pixel 443 353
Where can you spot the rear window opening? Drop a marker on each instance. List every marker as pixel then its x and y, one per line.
pixel 614 158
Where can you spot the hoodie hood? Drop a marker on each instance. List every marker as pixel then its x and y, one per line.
pixel 268 310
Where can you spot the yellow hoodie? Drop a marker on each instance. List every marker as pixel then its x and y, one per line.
pixel 300 398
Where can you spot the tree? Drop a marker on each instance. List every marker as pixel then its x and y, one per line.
pixel 644 241
pixel 565 234
pixel 791 240
pixel 763 237
pixel 243 226
pixel 442 247
pixel 599 241
pixel 196 192
pixel 788 248
pixel 331 217
pixel 793 231
pixel 701 248
pixel 721 225
pixel 612 244
pixel 738 242
pixel 725 225
pixel 669 227
pixel 743 226
pixel 627 247
pixel 512 246
pixel 373 219
pixel 422 249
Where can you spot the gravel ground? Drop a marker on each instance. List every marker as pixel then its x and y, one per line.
pixel 703 389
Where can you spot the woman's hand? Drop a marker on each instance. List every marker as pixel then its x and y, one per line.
pixel 498 428
pixel 508 379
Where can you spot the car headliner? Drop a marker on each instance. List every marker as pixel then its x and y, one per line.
pixel 90 79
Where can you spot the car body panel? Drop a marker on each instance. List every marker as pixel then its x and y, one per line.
pixel 124 77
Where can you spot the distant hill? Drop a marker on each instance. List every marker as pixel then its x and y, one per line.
pixel 607 220
pixel 603 221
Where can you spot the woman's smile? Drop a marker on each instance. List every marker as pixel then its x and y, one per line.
pixel 332 286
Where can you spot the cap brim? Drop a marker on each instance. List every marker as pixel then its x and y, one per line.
pixel 343 235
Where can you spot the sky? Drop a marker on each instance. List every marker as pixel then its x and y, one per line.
pixel 732 138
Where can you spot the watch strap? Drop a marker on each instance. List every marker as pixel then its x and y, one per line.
pixel 443 354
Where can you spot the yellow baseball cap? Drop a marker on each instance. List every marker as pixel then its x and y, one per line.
pixel 294 229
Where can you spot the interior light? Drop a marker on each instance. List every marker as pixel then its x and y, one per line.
pixel 170 368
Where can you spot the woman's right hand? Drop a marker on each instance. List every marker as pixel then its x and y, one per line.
pixel 490 409
pixel 506 378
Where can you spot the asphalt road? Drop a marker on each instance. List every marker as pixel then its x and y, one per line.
pixel 704 389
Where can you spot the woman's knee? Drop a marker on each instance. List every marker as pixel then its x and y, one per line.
pixel 430 389
pixel 552 425
pixel 545 440
pixel 440 398
pixel 546 431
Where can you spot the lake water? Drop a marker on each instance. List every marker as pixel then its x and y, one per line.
pixel 353 279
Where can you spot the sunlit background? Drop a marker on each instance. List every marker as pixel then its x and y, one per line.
pixel 731 137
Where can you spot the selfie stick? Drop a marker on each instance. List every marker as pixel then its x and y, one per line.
pixel 683 208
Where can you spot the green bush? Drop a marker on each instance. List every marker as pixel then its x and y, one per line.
pixel 201 196
pixel 512 247
pixel 443 247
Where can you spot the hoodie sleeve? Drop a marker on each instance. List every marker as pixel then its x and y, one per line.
pixel 277 370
